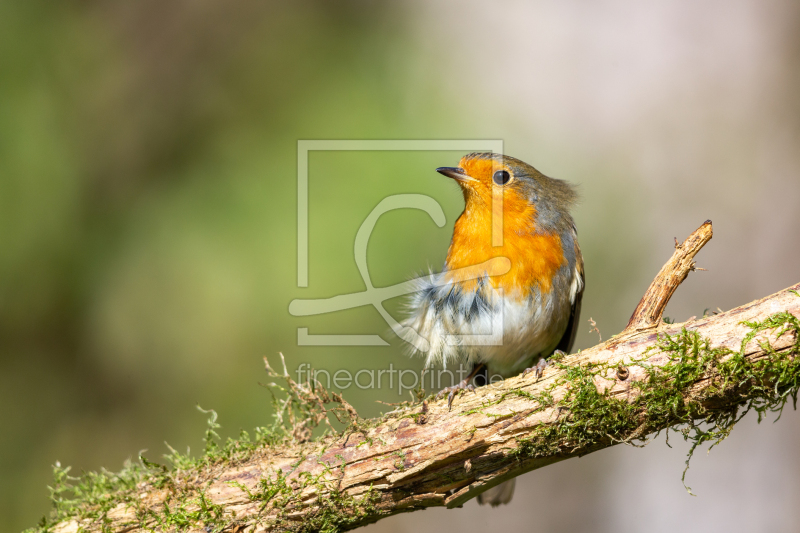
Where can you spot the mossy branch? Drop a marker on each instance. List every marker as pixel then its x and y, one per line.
pixel 697 378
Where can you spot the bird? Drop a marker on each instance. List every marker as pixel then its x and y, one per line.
pixel 533 297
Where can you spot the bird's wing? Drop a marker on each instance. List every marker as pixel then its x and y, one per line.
pixel 576 295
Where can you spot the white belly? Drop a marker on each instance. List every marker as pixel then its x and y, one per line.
pixel 507 333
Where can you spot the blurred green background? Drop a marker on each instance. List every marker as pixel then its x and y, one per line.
pixel 148 214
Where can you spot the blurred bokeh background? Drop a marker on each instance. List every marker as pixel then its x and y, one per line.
pixel 148 214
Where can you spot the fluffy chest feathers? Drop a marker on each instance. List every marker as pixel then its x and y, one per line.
pixel 506 321
pixel 535 257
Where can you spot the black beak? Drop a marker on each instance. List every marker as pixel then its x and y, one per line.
pixel 457 173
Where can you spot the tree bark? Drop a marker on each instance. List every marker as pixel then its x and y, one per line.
pixel 649 378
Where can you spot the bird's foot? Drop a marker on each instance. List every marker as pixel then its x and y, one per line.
pixel 451 391
pixel 540 365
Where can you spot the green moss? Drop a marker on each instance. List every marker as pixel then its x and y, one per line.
pixel 93 495
pixel 339 511
pixel 587 419
pixel 335 510
pixel 400 463
pixel 184 514
pixel 667 398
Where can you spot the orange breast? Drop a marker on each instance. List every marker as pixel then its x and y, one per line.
pixel 535 258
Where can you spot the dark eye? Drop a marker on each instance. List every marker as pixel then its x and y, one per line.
pixel 501 177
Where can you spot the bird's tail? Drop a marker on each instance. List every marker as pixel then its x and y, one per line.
pixel 498 495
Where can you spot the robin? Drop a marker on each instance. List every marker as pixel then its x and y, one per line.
pixel 512 211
